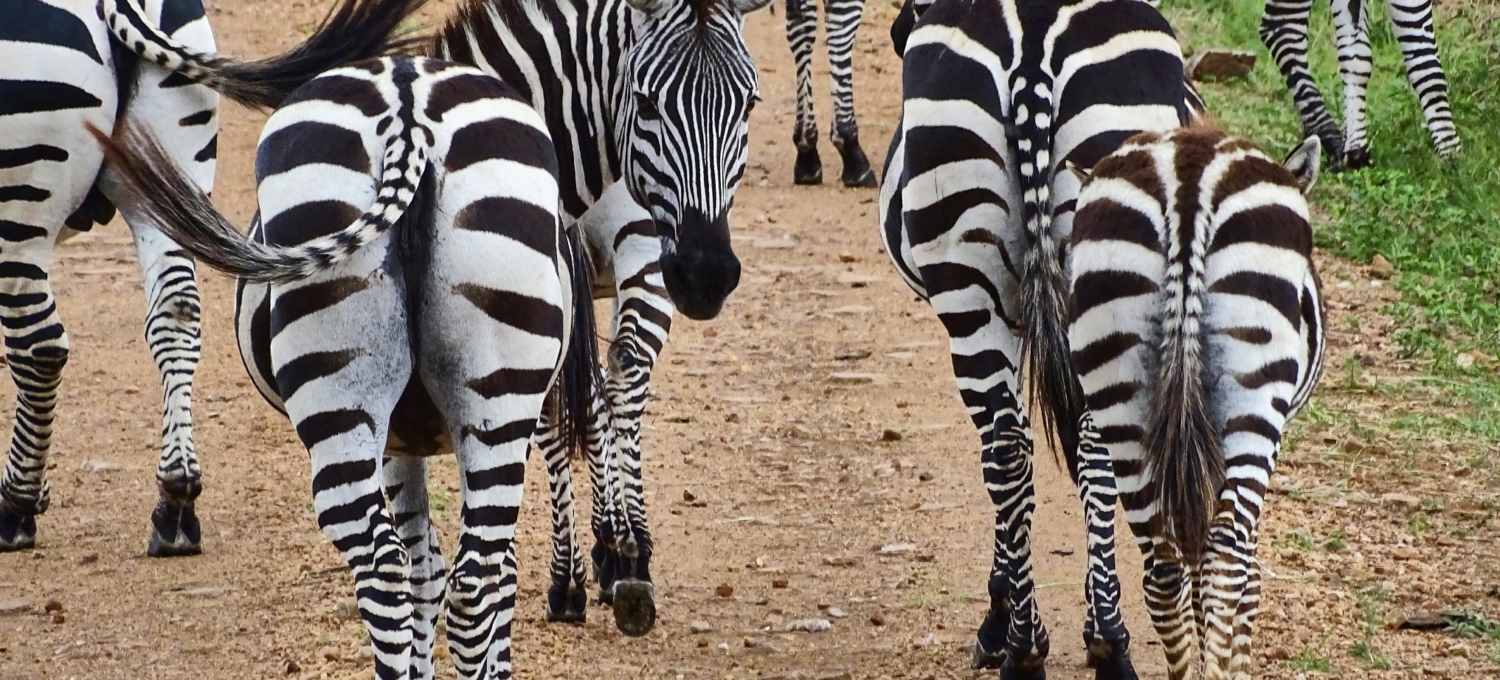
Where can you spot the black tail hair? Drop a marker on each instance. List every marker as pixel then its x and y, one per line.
pixel 353 31
pixel 581 381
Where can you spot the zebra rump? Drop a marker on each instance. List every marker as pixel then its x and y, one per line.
pixel 353 31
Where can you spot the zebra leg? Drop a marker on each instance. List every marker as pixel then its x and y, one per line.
pixel 842 18
pixel 406 489
pixel 1168 597
pixel 1104 633
pixel 802 33
pixel 602 517
pixel 37 348
pixel 1283 29
pixel 1244 618
pixel 567 596
pixel 1424 69
pixel 1352 38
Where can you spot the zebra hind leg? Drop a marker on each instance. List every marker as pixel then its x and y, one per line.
pixel 1008 477
pixel 406 487
pixel 567 596
pixel 1283 29
pixel 174 335
pixel 802 33
pixel 843 18
pixel 1104 633
pixel 37 350
pixel 1169 597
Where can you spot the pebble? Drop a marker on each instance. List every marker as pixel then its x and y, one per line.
pixel 329 654
pixel 850 310
pixel 809 625
pixel 897 548
pixel 1401 499
pixel 877 619
pixel 53 605
pixel 365 653
pixel 840 561
pixel 347 609
pixel 852 378
pixel 292 668
pixel 780 583
pixel 99 466
pixel 836 613
pixel 1381 267
pixel 14 606
pixel 890 435
pixel 1220 64
pixel 57 617
pixel 925 477
pixel 701 627
pixel 689 496
pixel 724 590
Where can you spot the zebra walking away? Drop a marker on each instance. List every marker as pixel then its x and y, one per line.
pixel 67 65
pixel 1284 29
pixel 997 95
pixel 648 105
pixel 437 320
pixel 841 20
pixel 1197 333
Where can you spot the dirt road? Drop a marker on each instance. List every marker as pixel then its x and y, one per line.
pixel 794 489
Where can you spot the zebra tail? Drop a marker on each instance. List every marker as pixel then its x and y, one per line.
pixel 1184 454
pixel 1052 384
pixel 158 188
pixel 581 379
pixel 354 31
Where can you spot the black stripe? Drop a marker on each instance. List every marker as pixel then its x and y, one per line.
pixel 1106 220
pixel 1272 290
pixel 320 427
pixel 14 158
pixel 507 381
pixel 1277 226
pixel 309 367
pixel 178 13
pixel 199 118
pixel 1249 334
pixel 501 138
pixel 1284 371
pixel 1121 434
pixel 25 193
pixel 509 432
pixel 209 151
pixel 513 474
pixel 461 89
pixel 308 142
pixel 1103 351
pixel 1114 395
pixel 513 309
pixel 523 222
pixel 346 90
pixel 15 232
pixel 339 474
pixel 33 96
pixel 1255 425
pixel 1103 287
pixel 299 302
pixel 21 270
pixel 33 21
pixel 306 221
pixel 645 228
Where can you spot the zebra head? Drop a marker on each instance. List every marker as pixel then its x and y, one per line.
pixel 683 125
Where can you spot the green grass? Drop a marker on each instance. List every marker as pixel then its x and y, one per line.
pixel 1438 223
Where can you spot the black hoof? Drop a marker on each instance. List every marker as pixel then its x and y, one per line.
pixel 1355 159
pixel 567 603
pixel 1116 667
pixel 175 531
pixel 857 170
pixel 865 180
pixel 606 566
pixel 1012 671
pixel 984 658
pixel 635 607
pixel 17 530
pixel 809 168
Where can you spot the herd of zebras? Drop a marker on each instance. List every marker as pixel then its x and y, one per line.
pixel 432 231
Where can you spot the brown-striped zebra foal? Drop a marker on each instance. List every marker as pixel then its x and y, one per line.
pixel 1196 333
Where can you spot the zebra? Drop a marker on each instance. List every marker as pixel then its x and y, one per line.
pixel 996 96
pixel 648 105
pixel 1283 29
pixel 70 64
pixel 1196 328
pixel 841 20
pixel 437 320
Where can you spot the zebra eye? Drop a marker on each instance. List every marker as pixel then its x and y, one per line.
pixel 645 108
pixel 751 106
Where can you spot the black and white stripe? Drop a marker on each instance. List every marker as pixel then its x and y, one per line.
pixel 397 337
pixel 647 102
pixel 1197 333
pixel 65 66
pixel 1284 29
pixel 999 97
pixel 841 20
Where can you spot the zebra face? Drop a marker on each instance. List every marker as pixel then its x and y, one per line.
pixel 684 125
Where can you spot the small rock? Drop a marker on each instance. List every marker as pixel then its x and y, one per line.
pixel 1405 553
pixel 840 561
pixel 57 617
pixel 897 548
pixel 132 390
pixel 1402 499
pixel 1464 360
pixel 689 496
pixel 53 605
pixel 99 466
pixel 779 583
pixel 365 653
pixel 850 310
pixel 809 625
pixel 750 642
pixel 293 668
pixel 724 590
pixel 1382 268
pixel 851 378
pixel 329 654
pixel 890 435
pixel 1220 64
pixel 847 258
pixel 710 332
pixel 924 477
pixel 347 609
pixel 877 619
pixel 852 355
pixel 701 627
pixel 89 559
pixel 14 606
pixel 702 642
pixel 1425 620
pixel 835 675
pixel 836 613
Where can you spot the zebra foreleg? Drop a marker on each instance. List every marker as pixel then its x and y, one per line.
pixel 1169 598
pixel 842 18
pixel 174 335
pixel 1352 40
pixel 37 348
pixel 567 596
pixel 1283 29
pixel 1424 70
pixel 406 489
pixel 802 34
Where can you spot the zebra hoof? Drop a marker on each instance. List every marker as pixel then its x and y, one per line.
pixel 984 658
pixel 1116 666
pixel 17 530
pixel 866 180
pixel 567 604
pixel 1355 159
pixel 857 170
pixel 635 607
pixel 1013 671
pixel 175 532
pixel 809 168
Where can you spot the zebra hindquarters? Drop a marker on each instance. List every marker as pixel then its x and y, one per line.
pixel 184 118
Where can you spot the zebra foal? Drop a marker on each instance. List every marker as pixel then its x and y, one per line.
pixel 65 65
pixel 437 320
pixel 841 20
pixel 1196 328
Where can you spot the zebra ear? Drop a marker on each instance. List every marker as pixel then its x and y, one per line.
pixel 1080 172
pixel 747 6
pixel 1305 161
